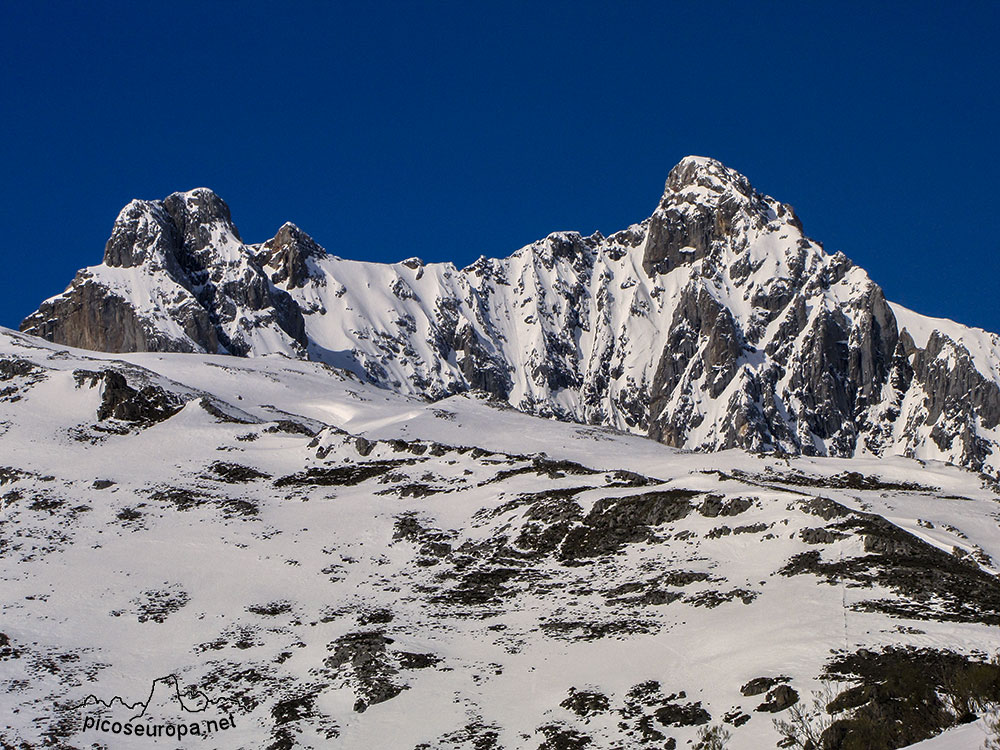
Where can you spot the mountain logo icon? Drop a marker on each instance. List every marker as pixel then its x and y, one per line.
pixel 165 712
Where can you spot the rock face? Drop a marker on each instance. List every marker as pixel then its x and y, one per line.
pixel 292 252
pixel 716 323
pixel 120 401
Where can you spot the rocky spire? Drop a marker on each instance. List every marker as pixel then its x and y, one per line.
pixel 707 173
pixel 705 207
pixel 289 254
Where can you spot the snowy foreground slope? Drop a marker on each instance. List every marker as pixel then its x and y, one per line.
pixel 330 564
pixel 715 323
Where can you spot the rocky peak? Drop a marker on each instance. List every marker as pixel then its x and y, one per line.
pixel 142 233
pixel 205 229
pixel 289 253
pixel 703 172
pixel 200 206
pixel 571 247
pixel 196 286
pixel 706 208
pixel 169 234
pixel 291 235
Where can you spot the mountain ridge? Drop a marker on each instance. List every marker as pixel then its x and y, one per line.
pixel 714 323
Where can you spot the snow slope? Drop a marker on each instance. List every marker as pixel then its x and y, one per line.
pixel 339 565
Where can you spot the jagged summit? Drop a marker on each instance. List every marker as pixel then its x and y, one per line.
pixel 715 323
pixel 705 172
pixel 290 253
pixel 152 232
pixel 176 277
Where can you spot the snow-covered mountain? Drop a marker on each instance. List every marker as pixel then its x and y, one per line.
pixel 715 323
pixel 282 555
pixel 365 530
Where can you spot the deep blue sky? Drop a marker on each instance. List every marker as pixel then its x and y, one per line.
pixel 450 130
